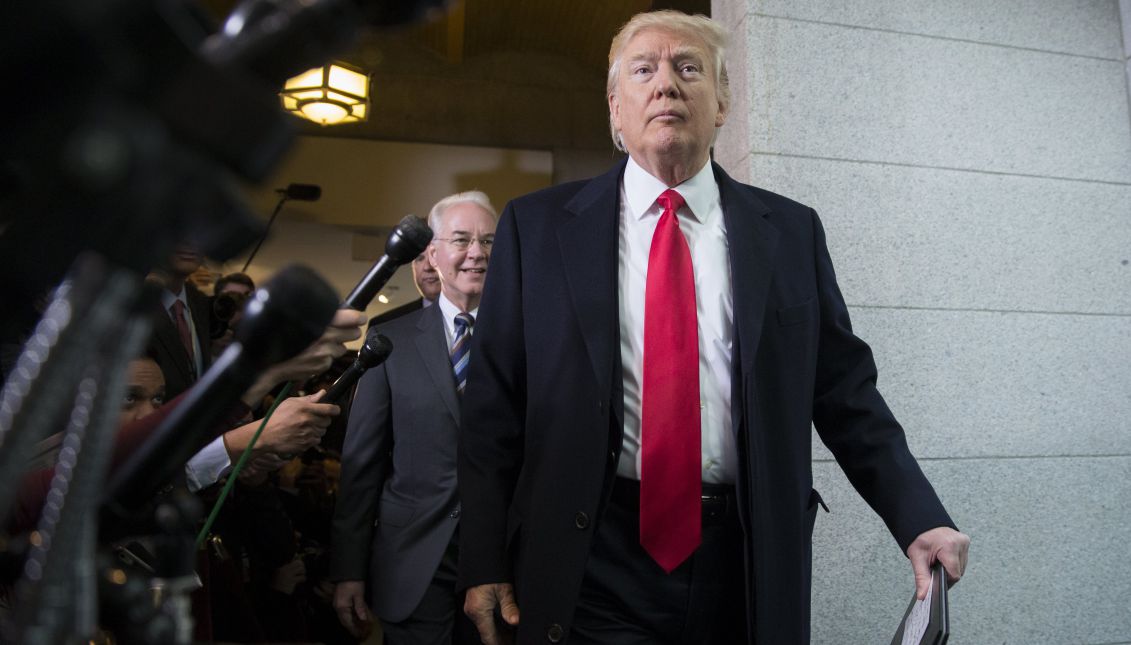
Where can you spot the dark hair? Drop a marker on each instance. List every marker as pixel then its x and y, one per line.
pixel 233 278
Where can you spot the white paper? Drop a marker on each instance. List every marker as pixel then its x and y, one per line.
pixel 919 618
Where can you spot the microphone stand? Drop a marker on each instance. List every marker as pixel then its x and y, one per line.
pixel 266 231
pixel 57 595
pixel 47 372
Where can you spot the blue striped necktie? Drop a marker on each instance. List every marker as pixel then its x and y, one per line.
pixel 461 349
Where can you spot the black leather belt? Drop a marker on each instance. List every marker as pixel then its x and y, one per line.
pixel 718 500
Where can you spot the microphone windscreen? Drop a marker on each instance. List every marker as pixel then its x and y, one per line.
pixel 286 315
pixel 408 240
pixel 303 192
pixel 375 349
pixel 381 13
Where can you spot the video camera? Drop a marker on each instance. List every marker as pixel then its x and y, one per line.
pixel 225 312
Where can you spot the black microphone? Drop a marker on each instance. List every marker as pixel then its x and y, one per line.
pixel 301 192
pixel 277 39
pixel 410 237
pixel 374 352
pixel 281 319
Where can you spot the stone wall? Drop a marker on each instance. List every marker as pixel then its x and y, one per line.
pixel 971 161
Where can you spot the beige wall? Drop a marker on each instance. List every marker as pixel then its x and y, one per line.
pixel 367 187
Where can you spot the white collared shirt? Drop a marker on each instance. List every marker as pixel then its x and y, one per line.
pixel 449 312
pixel 701 221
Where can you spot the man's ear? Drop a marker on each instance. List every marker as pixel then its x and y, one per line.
pixel 430 256
pixel 614 110
pixel 721 116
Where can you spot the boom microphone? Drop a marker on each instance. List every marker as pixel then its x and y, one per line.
pixel 277 39
pixel 301 192
pixel 374 352
pixel 410 237
pixel 281 319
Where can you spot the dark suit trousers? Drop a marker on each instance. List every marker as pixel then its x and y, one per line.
pixel 626 598
pixel 439 618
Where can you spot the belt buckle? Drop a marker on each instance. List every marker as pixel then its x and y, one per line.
pixel 716 506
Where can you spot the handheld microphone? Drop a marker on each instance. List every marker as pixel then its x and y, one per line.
pixel 374 352
pixel 281 319
pixel 410 237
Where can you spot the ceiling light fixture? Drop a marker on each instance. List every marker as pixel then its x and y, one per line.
pixel 328 95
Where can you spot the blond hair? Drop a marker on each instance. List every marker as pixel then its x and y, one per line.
pixel 700 26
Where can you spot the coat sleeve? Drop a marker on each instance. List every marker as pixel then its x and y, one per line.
pixel 366 464
pixel 854 421
pixel 493 415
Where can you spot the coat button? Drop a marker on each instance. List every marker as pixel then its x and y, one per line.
pixel 554 633
pixel 454 514
pixel 581 520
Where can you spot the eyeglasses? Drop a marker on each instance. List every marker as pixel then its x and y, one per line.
pixel 463 243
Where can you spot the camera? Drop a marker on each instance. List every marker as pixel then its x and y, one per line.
pixel 226 311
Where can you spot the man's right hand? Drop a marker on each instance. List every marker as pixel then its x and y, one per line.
pixel 349 602
pixel 479 605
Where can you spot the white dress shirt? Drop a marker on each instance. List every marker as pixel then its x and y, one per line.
pixel 701 221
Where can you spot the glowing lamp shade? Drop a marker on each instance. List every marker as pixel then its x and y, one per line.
pixel 331 94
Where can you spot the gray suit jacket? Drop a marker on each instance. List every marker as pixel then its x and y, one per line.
pixel 398 507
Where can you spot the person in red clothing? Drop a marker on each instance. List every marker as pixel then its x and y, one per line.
pixel 145 389
pixel 297 424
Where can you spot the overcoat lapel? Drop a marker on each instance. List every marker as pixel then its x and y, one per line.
pixel 752 241
pixel 589 242
pixel 433 348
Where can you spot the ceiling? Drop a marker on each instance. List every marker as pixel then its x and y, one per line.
pixel 505 96
pixel 504 73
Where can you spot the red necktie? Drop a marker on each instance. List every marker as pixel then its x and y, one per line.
pixel 178 311
pixel 670 474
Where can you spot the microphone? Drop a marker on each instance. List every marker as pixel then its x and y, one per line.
pixel 297 192
pixel 409 238
pixel 374 352
pixel 301 192
pixel 281 319
pixel 277 39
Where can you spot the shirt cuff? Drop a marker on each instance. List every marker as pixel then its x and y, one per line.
pixel 207 466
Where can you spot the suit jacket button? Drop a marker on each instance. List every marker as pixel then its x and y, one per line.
pixel 454 514
pixel 581 520
pixel 554 633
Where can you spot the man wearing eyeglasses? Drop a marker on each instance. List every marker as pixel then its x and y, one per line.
pixel 396 522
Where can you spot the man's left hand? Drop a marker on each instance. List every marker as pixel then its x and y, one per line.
pixel 942 544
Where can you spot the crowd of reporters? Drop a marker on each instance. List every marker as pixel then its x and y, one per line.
pixel 263 563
